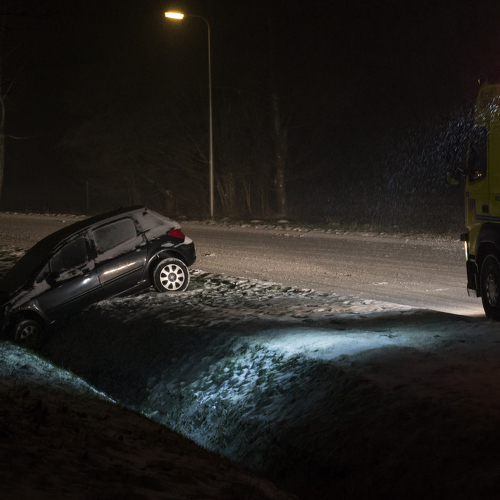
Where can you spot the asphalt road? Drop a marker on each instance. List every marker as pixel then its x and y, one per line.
pixel 422 273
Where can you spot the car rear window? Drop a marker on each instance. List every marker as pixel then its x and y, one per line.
pixel 114 234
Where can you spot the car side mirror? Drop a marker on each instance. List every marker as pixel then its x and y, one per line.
pixel 52 278
pixel 452 180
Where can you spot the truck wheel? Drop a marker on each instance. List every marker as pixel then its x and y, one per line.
pixel 490 287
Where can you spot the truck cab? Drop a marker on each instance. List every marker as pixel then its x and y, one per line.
pixel 482 201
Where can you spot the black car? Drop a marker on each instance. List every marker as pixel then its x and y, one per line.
pixel 113 254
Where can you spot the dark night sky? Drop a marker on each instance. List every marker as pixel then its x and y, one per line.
pixel 357 78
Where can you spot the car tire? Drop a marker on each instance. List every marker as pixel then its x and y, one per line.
pixel 171 276
pixel 28 333
pixel 490 287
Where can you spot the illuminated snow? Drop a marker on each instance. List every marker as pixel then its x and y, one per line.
pixel 325 344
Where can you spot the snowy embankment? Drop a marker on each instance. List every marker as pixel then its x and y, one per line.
pixel 327 395
pixel 59 438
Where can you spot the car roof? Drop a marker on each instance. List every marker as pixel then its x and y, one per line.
pixel 33 259
pixel 51 241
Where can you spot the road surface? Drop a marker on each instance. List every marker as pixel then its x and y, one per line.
pixel 422 273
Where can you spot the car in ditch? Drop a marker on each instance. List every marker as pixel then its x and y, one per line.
pixel 113 254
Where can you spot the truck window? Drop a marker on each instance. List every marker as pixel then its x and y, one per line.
pixel 478 154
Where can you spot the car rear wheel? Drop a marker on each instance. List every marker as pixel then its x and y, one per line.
pixel 28 333
pixel 490 287
pixel 171 275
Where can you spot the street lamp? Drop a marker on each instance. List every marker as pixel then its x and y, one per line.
pixel 180 16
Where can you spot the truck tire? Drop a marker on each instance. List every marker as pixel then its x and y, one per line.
pixel 490 287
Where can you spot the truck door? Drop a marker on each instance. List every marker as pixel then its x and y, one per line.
pixel 494 171
pixel 477 192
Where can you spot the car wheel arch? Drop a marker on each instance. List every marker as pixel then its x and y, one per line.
pixel 165 254
pixel 16 317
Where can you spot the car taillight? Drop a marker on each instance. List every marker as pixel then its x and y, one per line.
pixel 176 233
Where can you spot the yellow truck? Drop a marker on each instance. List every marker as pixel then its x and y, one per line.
pixel 482 201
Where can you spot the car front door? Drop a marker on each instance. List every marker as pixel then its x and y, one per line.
pixel 69 282
pixel 121 256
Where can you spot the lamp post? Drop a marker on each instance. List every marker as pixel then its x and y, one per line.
pixel 180 16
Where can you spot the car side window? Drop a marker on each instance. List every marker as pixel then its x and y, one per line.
pixel 72 255
pixel 114 234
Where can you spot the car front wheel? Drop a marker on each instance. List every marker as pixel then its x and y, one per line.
pixel 490 287
pixel 171 275
pixel 28 333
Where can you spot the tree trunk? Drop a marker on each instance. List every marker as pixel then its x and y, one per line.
pixel 280 157
pixel 2 142
pixel 227 192
pixel 264 200
pixel 280 131
pixel 134 191
pixel 247 190
pixel 2 108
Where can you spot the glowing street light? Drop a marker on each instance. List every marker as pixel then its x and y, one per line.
pixel 179 16
pixel 174 15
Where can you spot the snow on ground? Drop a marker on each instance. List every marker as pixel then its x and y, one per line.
pixel 61 439
pixel 328 395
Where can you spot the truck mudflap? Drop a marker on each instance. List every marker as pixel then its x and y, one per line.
pixel 473 288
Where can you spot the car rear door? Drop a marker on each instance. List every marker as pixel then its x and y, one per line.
pixel 121 256
pixel 69 282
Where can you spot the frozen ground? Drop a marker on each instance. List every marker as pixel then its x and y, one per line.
pixel 329 396
pixel 61 439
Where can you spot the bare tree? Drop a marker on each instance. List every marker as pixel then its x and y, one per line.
pixel 3 95
pixel 279 129
pixel 16 26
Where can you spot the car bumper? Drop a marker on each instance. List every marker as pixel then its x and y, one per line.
pixel 188 251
